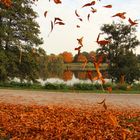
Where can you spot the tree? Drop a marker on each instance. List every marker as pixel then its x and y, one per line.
pixel 19 34
pixel 119 53
pixel 55 65
pixel 67 57
pixel 81 58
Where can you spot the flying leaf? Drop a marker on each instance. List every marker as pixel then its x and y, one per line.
pixel 132 22
pixel 102 42
pixel 78 48
pixel 77 13
pixel 102 101
pixel 57 19
pixel 93 10
pixel 88 17
pixel 80 41
pixel 57 1
pixel 108 6
pixel 45 13
pixel 60 23
pixel 121 15
pixel 104 106
pixel 80 19
pixel 77 26
pixel 52 26
pixel 89 4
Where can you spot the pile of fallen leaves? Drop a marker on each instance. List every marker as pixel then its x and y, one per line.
pixel 36 122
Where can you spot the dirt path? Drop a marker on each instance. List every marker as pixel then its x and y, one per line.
pixel 72 99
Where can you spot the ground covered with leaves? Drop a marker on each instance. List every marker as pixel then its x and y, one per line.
pixel 49 122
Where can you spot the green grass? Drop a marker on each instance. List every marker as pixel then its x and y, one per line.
pixel 78 88
pixel 78 66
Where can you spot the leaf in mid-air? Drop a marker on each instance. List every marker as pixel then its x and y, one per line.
pixel 89 4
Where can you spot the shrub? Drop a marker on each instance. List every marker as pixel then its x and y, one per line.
pixel 55 86
pixel 84 86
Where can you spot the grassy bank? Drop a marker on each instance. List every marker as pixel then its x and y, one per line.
pixel 78 87
pixel 78 66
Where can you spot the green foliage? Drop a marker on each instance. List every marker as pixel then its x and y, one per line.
pixel 56 86
pixel 3 65
pixel 19 33
pixel 86 86
pixel 55 65
pixel 24 85
pixel 121 87
pixel 119 53
pixel 136 86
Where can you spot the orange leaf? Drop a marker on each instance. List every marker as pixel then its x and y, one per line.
pixel 132 22
pixel 121 15
pixel 93 10
pixel 57 1
pixel 124 133
pixel 102 42
pixel 78 48
pixel 89 4
pixel 113 120
pixel 108 6
pixel 80 41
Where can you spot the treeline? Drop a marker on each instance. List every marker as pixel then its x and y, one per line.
pixel 21 57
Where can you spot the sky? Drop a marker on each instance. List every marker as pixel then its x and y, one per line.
pixel 64 38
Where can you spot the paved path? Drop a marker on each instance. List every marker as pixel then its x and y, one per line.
pixel 72 99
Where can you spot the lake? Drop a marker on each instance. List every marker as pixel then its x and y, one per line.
pixel 70 77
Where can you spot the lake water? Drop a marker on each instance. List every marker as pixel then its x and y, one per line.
pixel 71 77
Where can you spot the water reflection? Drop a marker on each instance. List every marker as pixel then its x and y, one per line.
pixel 71 77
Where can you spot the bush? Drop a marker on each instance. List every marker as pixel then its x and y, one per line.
pixel 21 85
pixel 121 86
pixel 56 86
pixel 136 86
pixel 84 86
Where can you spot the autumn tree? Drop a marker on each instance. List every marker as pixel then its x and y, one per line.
pixel 19 35
pixel 67 57
pixel 120 51
pixel 81 58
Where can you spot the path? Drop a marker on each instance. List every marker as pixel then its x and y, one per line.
pixel 72 99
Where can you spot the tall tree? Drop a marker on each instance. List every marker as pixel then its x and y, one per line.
pixel 119 52
pixel 19 34
pixel 67 57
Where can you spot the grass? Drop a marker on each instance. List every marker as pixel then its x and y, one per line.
pixel 78 66
pixel 76 88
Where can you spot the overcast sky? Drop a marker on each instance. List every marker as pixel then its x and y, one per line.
pixel 63 38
